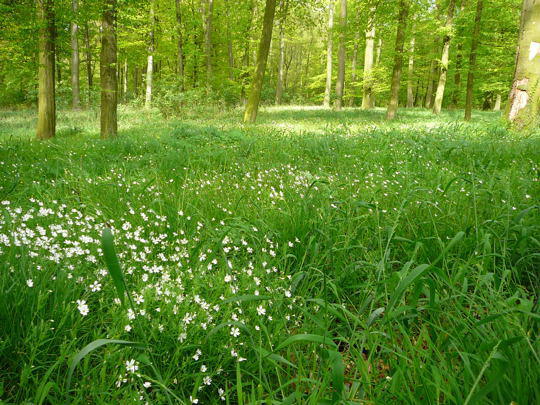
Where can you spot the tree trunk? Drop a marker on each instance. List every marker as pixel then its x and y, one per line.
pixel 459 60
pixel 245 60
pixel 367 97
pixel 279 85
pixel 75 88
pixel 340 84
pixel 329 51
pixel 150 59
pixel 472 60
pixel 498 101
pixel 429 89
pixel 353 66
pixel 230 53
pixel 179 44
pixel 254 98
pixel 377 61
pixel 439 95
pixel 125 92
pixel 109 86
pixel 524 102
pixel 398 59
pixel 88 51
pixel 208 43
pixel 46 124
pixel 410 78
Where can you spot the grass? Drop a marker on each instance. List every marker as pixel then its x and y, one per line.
pixel 316 257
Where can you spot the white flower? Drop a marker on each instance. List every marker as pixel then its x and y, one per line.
pixel 207 380
pixel 82 307
pixel 95 286
pixel 261 310
pixel 203 369
pixel 235 332
pixel 132 366
pixel 127 328
pixel 30 283
pixel 147 384
pixel 193 400
pixel 228 278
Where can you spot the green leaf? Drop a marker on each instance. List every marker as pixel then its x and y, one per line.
pixel 111 260
pixel 310 338
pixel 90 348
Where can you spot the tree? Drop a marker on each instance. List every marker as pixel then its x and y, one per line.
pixel 398 59
pixel 75 88
pixel 367 97
pixel 410 76
pixel 150 58
pixel 340 83
pixel 252 106
pixel 179 44
pixel 329 51
pixel 524 102
pixel 208 42
pixel 472 60
pixel 279 86
pixel 46 124
pixel 439 95
pixel 107 69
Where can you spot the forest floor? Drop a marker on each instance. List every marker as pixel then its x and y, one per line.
pixel 314 257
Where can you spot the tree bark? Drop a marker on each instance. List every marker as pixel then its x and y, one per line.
pixel 208 43
pixel 472 60
pixel 125 92
pixel 108 60
pixel 150 58
pixel 46 124
pixel 179 44
pixel 75 87
pixel 524 101
pixel 279 85
pixel 353 66
pixel 410 78
pixel 230 54
pixel 367 96
pixel 254 98
pixel 329 51
pixel 88 51
pixel 398 59
pixel 340 83
pixel 498 101
pixel 439 95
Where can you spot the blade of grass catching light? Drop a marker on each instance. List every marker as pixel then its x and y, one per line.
pixel 111 260
pixel 90 348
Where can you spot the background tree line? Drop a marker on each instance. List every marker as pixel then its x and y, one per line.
pixel 173 53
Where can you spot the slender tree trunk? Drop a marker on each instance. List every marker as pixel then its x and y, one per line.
pixel 377 61
pixel 459 59
pixel 150 59
pixel 208 43
pixel 109 86
pixel 524 103
pixel 398 59
pixel 367 97
pixel 125 92
pixel 410 76
pixel 75 88
pixel 498 101
pixel 439 96
pixel 429 90
pixel 46 124
pixel 230 53
pixel 179 44
pixel 472 60
pixel 329 51
pixel 279 85
pixel 88 51
pixel 245 75
pixel 254 98
pixel 353 66
pixel 340 83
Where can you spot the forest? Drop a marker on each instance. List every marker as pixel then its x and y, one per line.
pixel 270 201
